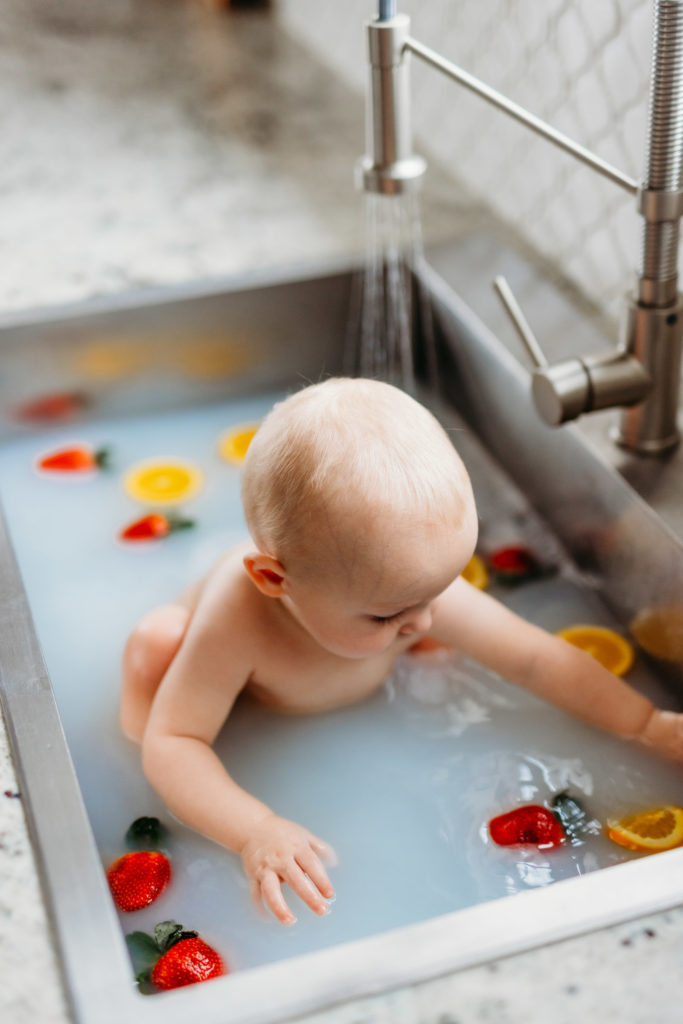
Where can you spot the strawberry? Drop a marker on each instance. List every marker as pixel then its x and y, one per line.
pixel 188 961
pixel 58 405
pixel 532 825
pixel 514 564
pixel 138 879
pixel 174 957
pixel 79 459
pixel 153 527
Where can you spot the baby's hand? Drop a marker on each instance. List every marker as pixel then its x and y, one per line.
pixel 664 733
pixel 281 851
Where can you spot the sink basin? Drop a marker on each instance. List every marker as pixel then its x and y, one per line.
pixel 196 349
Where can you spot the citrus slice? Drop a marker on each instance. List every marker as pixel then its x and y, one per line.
pixel 659 829
pixel 476 573
pixel 209 357
pixel 659 631
pixel 163 481
pixel 613 651
pixel 110 360
pixel 234 443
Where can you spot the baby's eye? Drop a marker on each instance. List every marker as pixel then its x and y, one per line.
pixel 386 618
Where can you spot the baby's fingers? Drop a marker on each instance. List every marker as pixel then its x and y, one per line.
pixel 324 850
pixel 271 894
pixel 309 862
pixel 304 888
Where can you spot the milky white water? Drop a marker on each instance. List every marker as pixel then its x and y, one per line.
pixel 402 785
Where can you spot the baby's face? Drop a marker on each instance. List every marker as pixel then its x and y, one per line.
pixel 367 612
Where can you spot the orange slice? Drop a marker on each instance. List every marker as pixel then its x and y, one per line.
pixel 659 631
pixel 476 573
pixel 206 357
pixel 660 829
pixel 107 360
pixel 234 443
pixel 609 648
pixel 163 481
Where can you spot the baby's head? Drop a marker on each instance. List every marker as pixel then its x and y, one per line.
pixel 353 486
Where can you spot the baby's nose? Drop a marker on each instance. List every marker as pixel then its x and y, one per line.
pixel 419 621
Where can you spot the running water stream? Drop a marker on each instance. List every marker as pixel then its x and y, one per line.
pixel 388 310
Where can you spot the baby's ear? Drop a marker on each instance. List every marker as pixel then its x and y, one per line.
pixel 266 573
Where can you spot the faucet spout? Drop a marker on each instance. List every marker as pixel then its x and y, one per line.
pixel 389 166
pixel 643 373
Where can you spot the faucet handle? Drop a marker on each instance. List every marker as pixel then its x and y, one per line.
pixel 568 389
pixel 514 311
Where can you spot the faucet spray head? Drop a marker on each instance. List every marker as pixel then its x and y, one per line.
pixel 389 166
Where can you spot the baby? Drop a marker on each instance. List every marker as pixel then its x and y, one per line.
pixel 361 518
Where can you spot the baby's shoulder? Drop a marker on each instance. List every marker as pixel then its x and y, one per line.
pixel 229 600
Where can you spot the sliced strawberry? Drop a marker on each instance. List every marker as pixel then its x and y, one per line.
pixel 74 460
pixel 61 405
pixel 532 825
pixel 138 879
pixel 153 527
pixel 514 564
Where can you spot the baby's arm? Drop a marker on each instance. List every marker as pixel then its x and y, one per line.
pixel 189 709
pixel 483 628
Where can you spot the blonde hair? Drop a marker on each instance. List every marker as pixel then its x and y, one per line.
pixel 344 441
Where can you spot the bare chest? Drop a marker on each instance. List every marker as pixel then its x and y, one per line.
pixel 300 684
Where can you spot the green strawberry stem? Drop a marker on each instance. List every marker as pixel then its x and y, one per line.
pixel 145 950
pixel 176 522
pixel 102 458
pixel 146 834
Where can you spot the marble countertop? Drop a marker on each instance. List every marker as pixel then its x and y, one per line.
pixel 156 144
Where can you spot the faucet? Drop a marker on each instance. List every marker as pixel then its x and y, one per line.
pixel 641 373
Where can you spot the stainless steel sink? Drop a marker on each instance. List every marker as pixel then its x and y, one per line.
pixel 273 332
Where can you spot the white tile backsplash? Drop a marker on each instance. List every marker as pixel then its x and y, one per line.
pixel 581 65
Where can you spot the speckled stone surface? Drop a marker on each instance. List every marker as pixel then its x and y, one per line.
pixel 168 145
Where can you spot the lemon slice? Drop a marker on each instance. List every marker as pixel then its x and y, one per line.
pixel 234 443
pixel 659 631
pixel 163 481
pixel 476 573
pixel 613 651
pixel 660 829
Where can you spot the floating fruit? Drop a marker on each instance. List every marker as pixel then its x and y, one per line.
pixel 61 405
pixel 613 651
pixel 234 443
pixel 78 459
pixel 209 357
pixel 659 631
pixel 475 572
pixel 174 957
pixel 153 527
pixel 163 481
pixel 109 360
pixel 138 879
pixel 650 831
pixel 514 564
pixel 531 825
